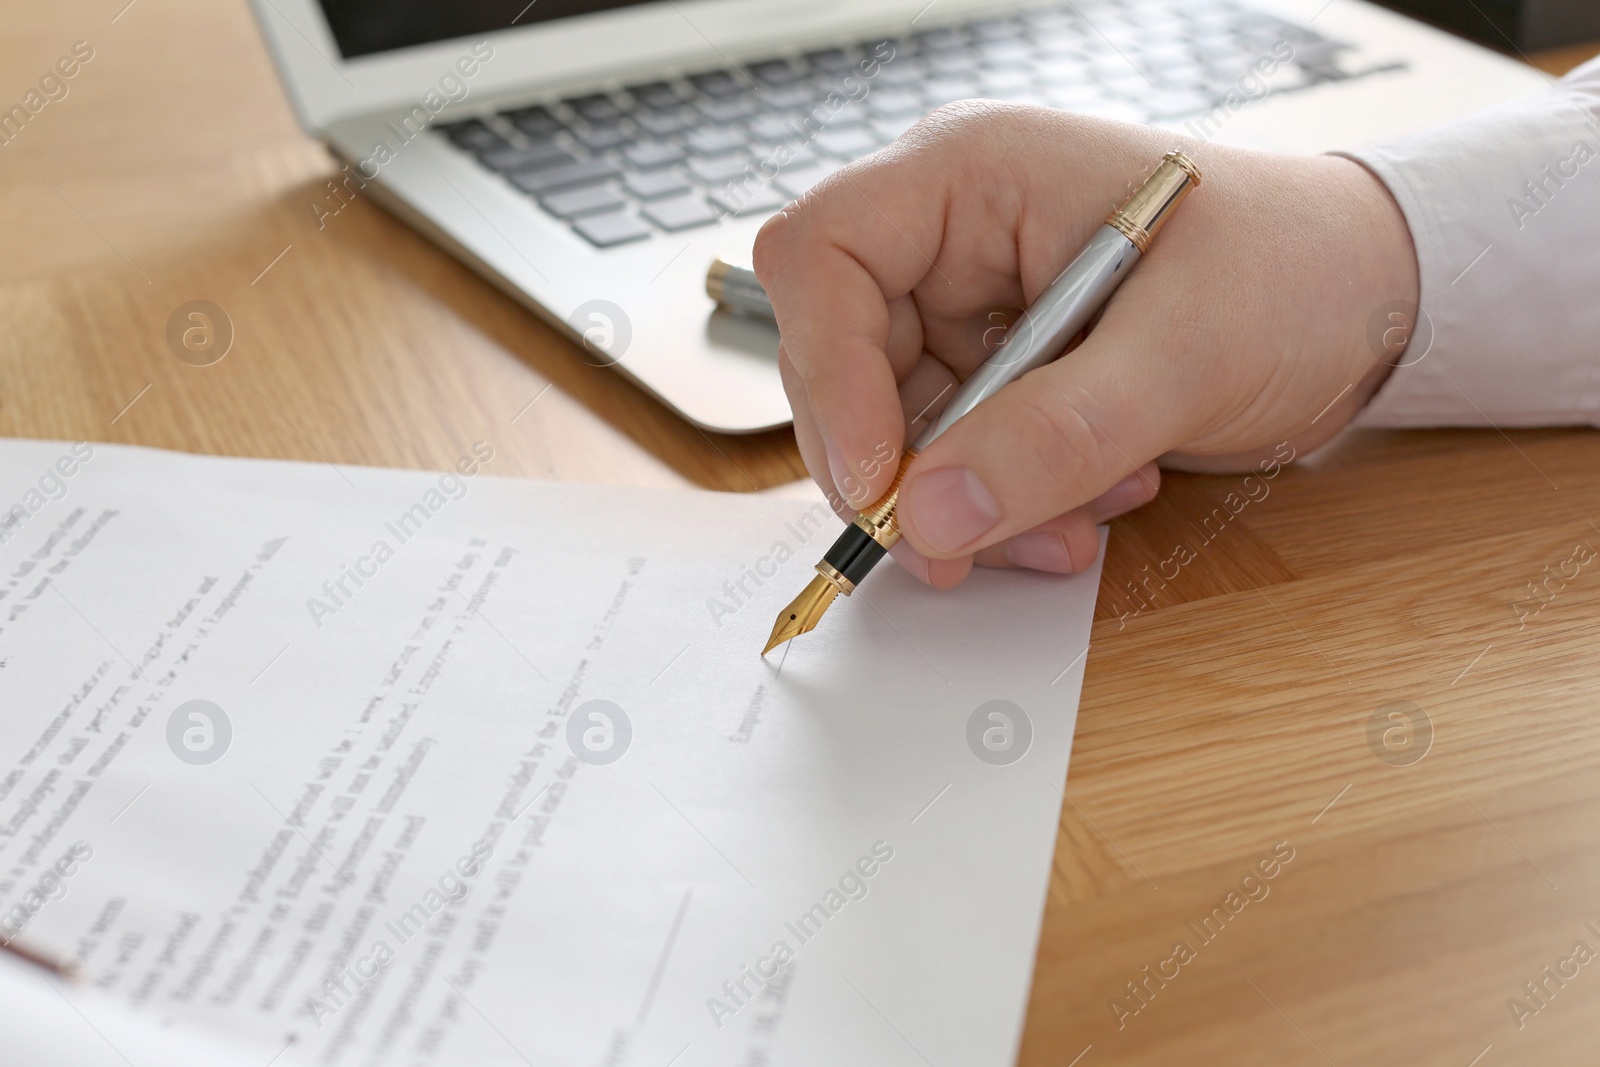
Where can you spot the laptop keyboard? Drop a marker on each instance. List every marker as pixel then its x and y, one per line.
pixel 687 152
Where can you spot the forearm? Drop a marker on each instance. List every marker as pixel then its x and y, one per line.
pixel 1504 211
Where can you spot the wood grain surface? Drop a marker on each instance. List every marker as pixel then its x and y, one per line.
pixel 1234 706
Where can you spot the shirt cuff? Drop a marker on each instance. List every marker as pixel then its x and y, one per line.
pixel 1504 210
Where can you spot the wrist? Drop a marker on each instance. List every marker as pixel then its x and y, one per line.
pixel 1380 230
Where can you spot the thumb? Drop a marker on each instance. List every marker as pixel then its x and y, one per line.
pixel 1047 443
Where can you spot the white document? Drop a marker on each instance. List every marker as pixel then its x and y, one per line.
pixel 307 766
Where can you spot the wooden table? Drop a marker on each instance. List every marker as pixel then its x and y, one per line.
pixel 1231 714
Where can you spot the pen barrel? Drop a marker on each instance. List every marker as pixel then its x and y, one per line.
pixel 1067 304
pixel 1044 330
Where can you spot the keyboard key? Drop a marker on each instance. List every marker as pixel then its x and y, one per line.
pixel 775 128
pixel 718 83
pixel 1076 97
pixel 1120 110
pixel 1110 65
pixel 618 227
pixel 1125 36
pixel 1214 20
pixel 1181 76
pixel 848 144
pixel 534 121
pixel 794 95
pixel 680 212
pixel 1006 50
pixel 889 129
pixel 1046 18
pixel 757 200
pixel 1031 98
pixel 797 180
pixel 654 184
pixel 720 169
pixel 938 91
pixel 472 135
pixel 714 140
pixel 600 138
pixel 664 123
pixel 1259 23
pixel 1004 84
pixel 649 154
pixel 728 108
pixel 829 61
pixel 596 108
pixel 895 104
pixel 960 62
pixel 1164 57
pixel 939 40
pixel 1070 74
pixel 656 95
pixel 498 145
pixel 534 157
pixel 990 29
pixel 1171 105
pixel 587 172
pixel 1219 46
pixel 851 114
pixel 901 73
pixel 1065 48
pixel 1132 83
pixel 584 200
pixel 775 72
pixel 788 154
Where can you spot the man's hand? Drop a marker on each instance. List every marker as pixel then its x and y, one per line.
pixel 895 278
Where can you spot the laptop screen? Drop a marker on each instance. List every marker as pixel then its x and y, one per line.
pixel 362 27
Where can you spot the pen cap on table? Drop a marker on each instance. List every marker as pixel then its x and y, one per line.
pixel 1148 209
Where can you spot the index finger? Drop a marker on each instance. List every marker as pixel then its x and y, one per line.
pixel 832 263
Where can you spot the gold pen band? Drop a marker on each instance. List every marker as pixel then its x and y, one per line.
pixel 1141 218
pixel 839 581
pixel 716 278
pixel 879 519
pixel 734 286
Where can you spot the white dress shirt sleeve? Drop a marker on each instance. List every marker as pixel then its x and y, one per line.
pixel 1504 209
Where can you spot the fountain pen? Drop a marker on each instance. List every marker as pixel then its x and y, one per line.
pixel 1039 336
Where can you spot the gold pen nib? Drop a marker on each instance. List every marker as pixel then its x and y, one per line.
pixel 803 612
pixel 858 549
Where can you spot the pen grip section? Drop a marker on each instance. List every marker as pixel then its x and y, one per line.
pixel 853 556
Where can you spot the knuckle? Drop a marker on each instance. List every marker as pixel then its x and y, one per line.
pixel 959 125
pixel 775 238
pixel 959 117
pixel 946 131
pixel 948 118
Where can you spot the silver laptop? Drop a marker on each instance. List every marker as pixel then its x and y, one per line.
pixel 592 157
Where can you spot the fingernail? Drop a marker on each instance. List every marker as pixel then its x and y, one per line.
pixel 951 507
pixel 1040 552
pixel 1130 493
